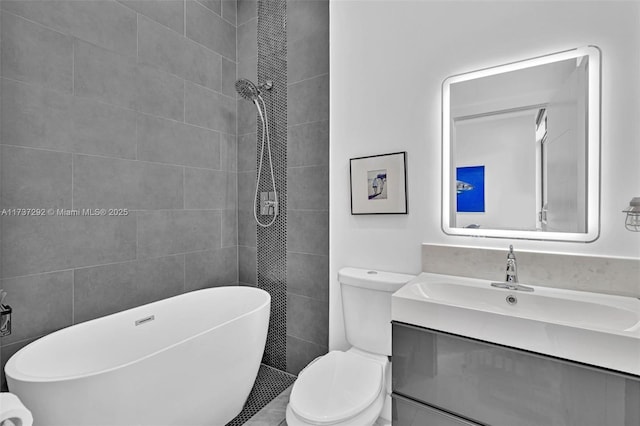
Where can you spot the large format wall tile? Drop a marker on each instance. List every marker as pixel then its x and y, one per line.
pixel 247 229
pixel 248 68
pixel 205 189
pixel 41 304
pixel 159 93
pixel 308 231
pixel 308 144
pixel 229 227
pixel 104 76
pixel 119 80
pixel 247 265
pixel 247 116
pixel 112 183
pixel 167 141
pixel 228 153
pixel 162 233
pixel 33 178
pixel 102 22
pixel 228 77
pixel 232 191
pixel 246 190
pixel 247 36
pixel 31 245
pixel 308 319
pixel 308 188
pixel 214 5
pixel 247 9
pixel 300 353
pixel 209 29
pixel 103 290
pixel 229 10
pixel 40 118
pixel 211 268
pixel 176 54
pixel 247 152
pixel 308 275
pixel 311 100
pixel 35 54
pixel 307 31
pixel 97 87
pixel 169 13
pixel 210 109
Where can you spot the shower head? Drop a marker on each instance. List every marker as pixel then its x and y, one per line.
pixel 250 91
pixel 247 89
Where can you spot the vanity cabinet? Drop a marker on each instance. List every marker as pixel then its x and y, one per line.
pixel 441 379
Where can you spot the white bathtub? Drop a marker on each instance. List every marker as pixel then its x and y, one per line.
pixel 194 363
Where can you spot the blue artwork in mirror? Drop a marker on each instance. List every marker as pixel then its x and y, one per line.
pixel 470 189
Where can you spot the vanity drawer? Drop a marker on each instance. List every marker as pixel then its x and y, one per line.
pixel 500 386
pixel 406 412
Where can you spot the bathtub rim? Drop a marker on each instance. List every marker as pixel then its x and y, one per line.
pixel 22 377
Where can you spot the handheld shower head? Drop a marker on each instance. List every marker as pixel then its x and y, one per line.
pixel 247 89
pixel 250 91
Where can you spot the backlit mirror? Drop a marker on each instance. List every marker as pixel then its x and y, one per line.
pixel 521 149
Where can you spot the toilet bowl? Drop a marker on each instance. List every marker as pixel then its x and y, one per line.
pixel 340 388
pixel 352 388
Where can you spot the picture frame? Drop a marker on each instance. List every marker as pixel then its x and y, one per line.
pixel 379 184
pixel 470 189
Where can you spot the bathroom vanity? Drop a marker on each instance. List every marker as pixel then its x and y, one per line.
pixel 462 355
pixel 472 351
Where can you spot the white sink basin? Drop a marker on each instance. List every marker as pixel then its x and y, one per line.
pixel 590 328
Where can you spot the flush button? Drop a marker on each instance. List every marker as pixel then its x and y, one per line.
pixel 372 272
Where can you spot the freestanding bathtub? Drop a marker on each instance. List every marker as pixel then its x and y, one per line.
pixel 185 361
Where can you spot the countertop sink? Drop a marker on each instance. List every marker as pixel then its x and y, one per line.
pixel 591 328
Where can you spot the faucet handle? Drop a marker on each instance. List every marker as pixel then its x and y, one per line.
pixel 512 267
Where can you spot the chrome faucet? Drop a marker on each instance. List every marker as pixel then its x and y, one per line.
pixel 511 278
pixel 512 267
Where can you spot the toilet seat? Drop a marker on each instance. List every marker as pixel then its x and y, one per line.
pixel 337 387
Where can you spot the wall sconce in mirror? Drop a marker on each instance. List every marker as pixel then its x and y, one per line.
pixel 632 221
pixel 521 149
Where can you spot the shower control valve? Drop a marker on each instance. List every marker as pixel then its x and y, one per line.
pixel 268 204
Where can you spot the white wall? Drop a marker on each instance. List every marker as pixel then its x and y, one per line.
pixel 388 60
pixel 505 145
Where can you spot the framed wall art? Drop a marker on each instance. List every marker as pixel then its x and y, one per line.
pixel 470 189
pixel 379 184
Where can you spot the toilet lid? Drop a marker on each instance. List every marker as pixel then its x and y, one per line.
pixel 336 387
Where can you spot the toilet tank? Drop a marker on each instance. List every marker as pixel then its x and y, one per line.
pixel 366 304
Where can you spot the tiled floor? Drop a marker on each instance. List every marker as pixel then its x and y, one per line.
pixel 269 385
pixel 273 414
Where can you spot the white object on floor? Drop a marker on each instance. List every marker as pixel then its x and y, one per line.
pixel 13 412
pixel 352 388
pixel 157 364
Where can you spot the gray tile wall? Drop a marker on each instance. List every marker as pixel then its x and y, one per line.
pixel 1 168
pixel 307 154
pixel 115 104
pixel 307 182
pixel 247 55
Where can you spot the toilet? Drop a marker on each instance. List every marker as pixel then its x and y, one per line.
pixel 353 387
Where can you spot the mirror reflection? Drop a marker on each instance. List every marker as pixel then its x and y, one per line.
pixel 521 149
